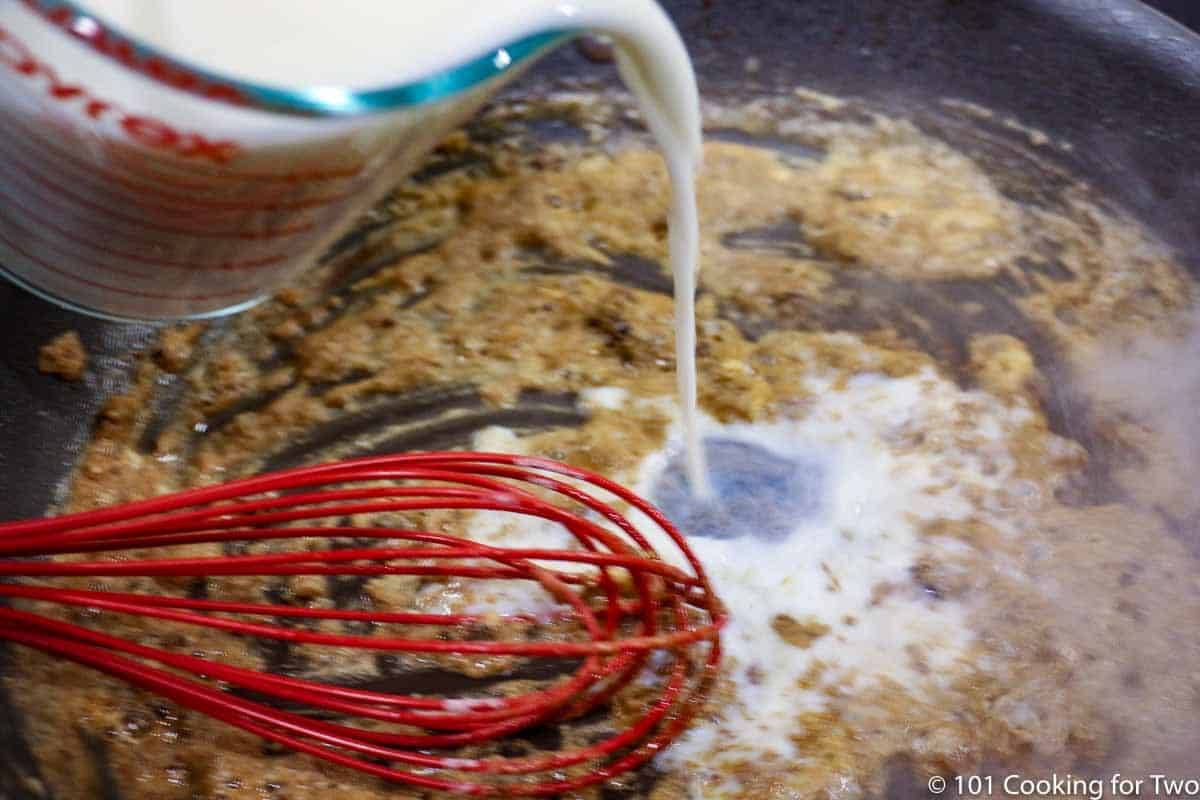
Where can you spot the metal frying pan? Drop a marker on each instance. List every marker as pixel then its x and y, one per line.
pixel 1118 80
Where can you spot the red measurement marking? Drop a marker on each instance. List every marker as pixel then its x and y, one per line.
pixel 114 46
pixel 298 176
pixel 145 130
pixel 77 175
pixel 47 246
pixel 16 248
pixel 59 153
pixel 42 221
pixel 140 164
pixel 142 222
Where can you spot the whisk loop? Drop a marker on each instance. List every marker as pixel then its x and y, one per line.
pixel 626 601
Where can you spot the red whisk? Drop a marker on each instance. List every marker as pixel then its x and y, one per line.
pixel 624 599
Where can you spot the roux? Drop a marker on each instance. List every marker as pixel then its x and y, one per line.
pixel 1002 632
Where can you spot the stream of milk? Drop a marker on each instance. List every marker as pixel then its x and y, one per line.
pixel 368 44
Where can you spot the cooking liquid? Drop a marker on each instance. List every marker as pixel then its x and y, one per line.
pixel 373 43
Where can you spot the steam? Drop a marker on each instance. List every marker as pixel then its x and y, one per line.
pixel 1145 394
pixel 1143 391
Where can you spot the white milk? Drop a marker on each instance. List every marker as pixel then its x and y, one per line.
pixel 879 479
pixel 366 44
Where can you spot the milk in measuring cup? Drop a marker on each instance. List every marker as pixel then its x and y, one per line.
pixel 177 159
pixel 170 159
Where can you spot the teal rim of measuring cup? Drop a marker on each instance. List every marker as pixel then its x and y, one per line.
pixel 90 29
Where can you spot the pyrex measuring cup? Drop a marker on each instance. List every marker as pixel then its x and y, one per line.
pixel 134 184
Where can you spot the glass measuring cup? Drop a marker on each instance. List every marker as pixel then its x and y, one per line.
pixel 136 186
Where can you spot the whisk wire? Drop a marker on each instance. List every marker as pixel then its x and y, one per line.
pixel 626 601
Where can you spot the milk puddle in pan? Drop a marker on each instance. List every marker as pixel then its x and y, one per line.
pixel 807 519
pixel 811 537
